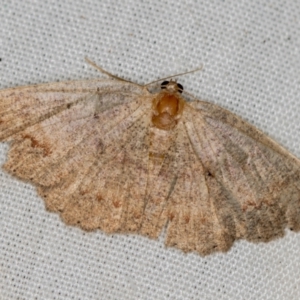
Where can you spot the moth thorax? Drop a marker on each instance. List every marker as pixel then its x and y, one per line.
pixel 167 109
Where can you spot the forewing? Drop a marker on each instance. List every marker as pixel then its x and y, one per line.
pixel 68 137
pixel 238 183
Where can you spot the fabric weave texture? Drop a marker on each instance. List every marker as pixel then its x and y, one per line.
pixel 250 52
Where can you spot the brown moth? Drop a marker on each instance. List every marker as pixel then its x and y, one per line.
pixel 109 154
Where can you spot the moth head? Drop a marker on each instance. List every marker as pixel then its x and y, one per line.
pixel 172 86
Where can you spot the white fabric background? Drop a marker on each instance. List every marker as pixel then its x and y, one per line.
pixel 251 56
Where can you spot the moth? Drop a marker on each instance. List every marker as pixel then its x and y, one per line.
pixel 108 154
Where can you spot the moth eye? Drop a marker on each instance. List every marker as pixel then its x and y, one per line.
pixel 180 88
pixel 164 84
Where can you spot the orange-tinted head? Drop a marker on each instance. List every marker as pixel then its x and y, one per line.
pixel 168 105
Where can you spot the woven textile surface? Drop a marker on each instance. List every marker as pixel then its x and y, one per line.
pixel 250 52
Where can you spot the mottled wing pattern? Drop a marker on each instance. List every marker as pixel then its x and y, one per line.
pixel 235 183
pixel 92 151
pixel 79 142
